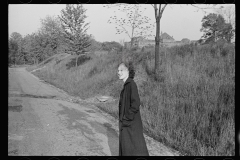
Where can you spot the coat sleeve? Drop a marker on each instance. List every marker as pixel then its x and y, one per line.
pixel 134 99
pixel 134 105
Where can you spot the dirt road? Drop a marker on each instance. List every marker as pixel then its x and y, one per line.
pixel 43 120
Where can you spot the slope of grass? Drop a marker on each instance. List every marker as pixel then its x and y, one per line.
pixel 55 59
pixel 192 110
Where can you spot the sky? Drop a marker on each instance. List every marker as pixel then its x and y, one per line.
pixel 179 21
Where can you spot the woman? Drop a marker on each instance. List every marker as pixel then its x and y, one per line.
pixel 131 140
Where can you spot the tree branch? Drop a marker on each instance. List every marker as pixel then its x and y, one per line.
pixel 159 9
pixel 204 8
pixel 155 9
pixel 163 9
pixel 152 5
pixel 126 32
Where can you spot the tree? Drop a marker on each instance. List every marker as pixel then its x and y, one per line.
pixel 73 22
pixel 228 14
pixel 53 33
pixel 35 47
pixel 43 43
pixel 215 27
pixel 16 38
pixel 27 48
pixel 185 40
pixel 95 45
pixel 135 24
pixel 110 46
pixel 12 51
pixel 158 10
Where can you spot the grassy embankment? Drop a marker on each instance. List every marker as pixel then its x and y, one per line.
pixel 191 111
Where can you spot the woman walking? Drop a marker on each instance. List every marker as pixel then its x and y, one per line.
pixel 131 139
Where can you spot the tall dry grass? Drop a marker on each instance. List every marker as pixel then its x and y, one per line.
pixel 192 110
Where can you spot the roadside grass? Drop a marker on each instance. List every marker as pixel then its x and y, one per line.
pixel 55 59
pixel 192 110
pixel 31 68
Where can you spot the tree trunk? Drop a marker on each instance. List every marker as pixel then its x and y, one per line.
pixel 76 61
pixel 157 47
pixel 14 60
pixel 131 43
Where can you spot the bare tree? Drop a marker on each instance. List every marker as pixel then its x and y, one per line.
pixel 134 24
pixel 158 10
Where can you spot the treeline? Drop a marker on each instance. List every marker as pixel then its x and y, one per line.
pixel 60 34
pixel 47 41
pixel 36 47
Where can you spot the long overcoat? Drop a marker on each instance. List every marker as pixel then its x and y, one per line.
pixel 131 139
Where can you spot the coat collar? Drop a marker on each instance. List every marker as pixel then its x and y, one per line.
pixel 127 81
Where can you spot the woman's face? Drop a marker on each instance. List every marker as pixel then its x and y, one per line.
pixel 122 71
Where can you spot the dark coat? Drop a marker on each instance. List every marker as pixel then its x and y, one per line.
pixel 131 140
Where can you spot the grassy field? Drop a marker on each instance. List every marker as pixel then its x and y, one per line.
pixel 191 110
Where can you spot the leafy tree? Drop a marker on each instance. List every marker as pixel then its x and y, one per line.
pixel 73 22
pixel 109 46
pixel 185 40
pixel 17 37
pixel 134 24
pixel 43 43
pixel 227 32
pixel 27 48
pixel 30 48
pixel 35 47
pixel 35 50
pixel 228 14
pixel 215 27
pixel 52 31
pixel 95 45
pixel 12 51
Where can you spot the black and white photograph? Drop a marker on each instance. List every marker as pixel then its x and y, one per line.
pixel 121 80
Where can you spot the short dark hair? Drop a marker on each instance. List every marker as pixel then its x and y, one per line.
pixel 129 64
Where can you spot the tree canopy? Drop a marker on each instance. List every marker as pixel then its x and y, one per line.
pixel 74 26
pixel 215 28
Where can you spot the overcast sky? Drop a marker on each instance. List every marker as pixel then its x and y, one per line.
pixel 179 21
